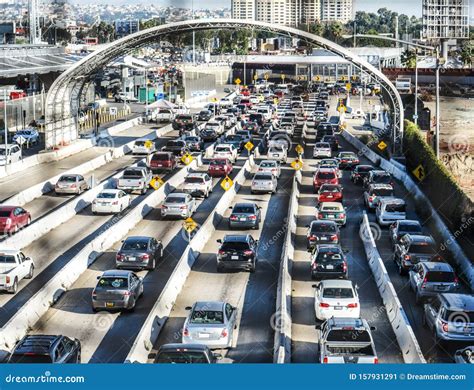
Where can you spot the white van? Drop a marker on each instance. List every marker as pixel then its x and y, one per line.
pixel 390 210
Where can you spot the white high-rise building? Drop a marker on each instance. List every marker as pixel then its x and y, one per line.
pixel 336 11
pixel 282 12
pixel 445 19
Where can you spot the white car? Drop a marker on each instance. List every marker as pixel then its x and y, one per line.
pixel 321 150
pixel 270 166
pixel 14 266
pixel 198 184
pixel 11 155
pixel 227 151
pixel 27 136
pixel 143 146
pixel 264 182
pixel 218 127
pixel 390 210
pixel 277 152
pixel 178 204
pixel 111 201
pixel 266 112
pixel 336 298
pixel 254 99
pixel 225 102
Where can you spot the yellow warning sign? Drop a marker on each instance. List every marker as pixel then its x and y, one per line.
pixel 419 172
pixel 237 81
pixel 227 183
pixel 156 182
pixel 317 78
pixel 382 145
pixel 348 86
pixel 189 225
pixel 297 165
pixel 283 77
pixel 187 159
pixel 299 149
pixel 266 77
pixel 342 109
pixel 148 144
pixel 249 146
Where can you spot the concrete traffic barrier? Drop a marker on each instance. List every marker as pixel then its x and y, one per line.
pixel 110 233
pixel 440 229
pixel 282 342
pixel 159 314
pixel 411 351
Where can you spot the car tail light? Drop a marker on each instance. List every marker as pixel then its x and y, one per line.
pixel 322 304
pixel 254 183
pixel 376 361
pixel 224 333
pixel 312 237
pixel 73 186
pixel 344 267
pixel 320 215
pixel 115 203
pixel 341 215
pixel 183 207
pixel 260 169
pixel 325 359
pixel 315 265
pixel 233 218
pixel 127 293
pixel 352 305
pixel 248 253
pixel 423 285
pixel 371 198
pixel 163 207
pixel 8 279
pixel 94 295
pixel 253 217
pixel 146 256
pixel 119 257
pixel 185 332
pixel 456 280
pixel 444 326
pixel 406 257
pixel 8 222
pixel 221 252
pixel 334 237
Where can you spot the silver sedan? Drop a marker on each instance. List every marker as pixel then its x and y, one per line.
pixel 264 182
pixel 178 204
pixel 71 184
pixel 210 323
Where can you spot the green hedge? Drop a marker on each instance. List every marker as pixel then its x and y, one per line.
pixel 439 186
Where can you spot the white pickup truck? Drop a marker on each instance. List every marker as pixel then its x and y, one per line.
pixel 346 340
pixel 135 179
pixel 164 115
pixel 14 266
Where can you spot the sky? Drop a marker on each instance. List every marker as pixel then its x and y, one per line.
pixel 408 7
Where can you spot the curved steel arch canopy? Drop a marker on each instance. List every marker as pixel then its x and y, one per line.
pixel 63 97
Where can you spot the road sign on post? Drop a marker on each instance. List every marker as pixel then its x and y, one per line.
pixel 266 77
pixel 227 183
pixel 283 77
pixel 297 164
pixel 156 182
pixel 419 172
pixel 249 146
pixel 187 159
pixel 238 81
pixel 299 149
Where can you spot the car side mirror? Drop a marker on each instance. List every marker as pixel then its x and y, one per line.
pixel 230 208
pixel 188 308
pixel 218 356
pixel 318 326
pixel 219 241
pixel 373 328
pixel 98 277
pixel 314 285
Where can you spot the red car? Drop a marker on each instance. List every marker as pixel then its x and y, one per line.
pixel 219 167
pixel 245 92
pixel 324 176
pixel 13 218
pixel 163 161
pixel 330 193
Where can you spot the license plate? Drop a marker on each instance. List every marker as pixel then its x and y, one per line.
pixel 131 258
pixel 467 330
pixel 234 257
pixel 329 197
pixel 275 155
pixel 243 219
pixel 331 216
pixel 204 335
pixel 337 307
pixel 323 238
pixel 329 267
pixel 109 304
pixel 441 287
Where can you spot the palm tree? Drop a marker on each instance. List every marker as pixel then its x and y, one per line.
pixel 466 54
pixel 409 59
pixel 335 31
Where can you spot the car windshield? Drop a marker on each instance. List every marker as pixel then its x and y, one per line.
pixel 276 149
pixel 326 175
pixel 426 249
pixel 465 317
pixel 323 228
pixel 184 357
pixel 347 155
pixel 235 246
pixel 222 149
pixel 193 180
pixel 383 179
pixel 130 173
pixel 322 145
pixel 364 169
pixel 217 162
pixel 440 277
pixel 382 192
pixel 139 245
pixel 333 292
pixel 207 317
pixel 395 208
pixel 329 256
pixel 112 283
pixel 5 213
pixel 7 259
pixel 332 189
pixel 268 165
pixel 175 143
pixel 409 228
pixel 2 151
pixel 234 137
pixel 175 199
pixel 262 177
pixel 160 157
pixel 106 195
pixel 139 143
pixel 244 209
pixel 184 117
pixel 349 335
pixel 30 358
pixel 68 179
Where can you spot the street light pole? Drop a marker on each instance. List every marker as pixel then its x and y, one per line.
pixel 437 103
pixel 5 126
pixel 415 117
pixel 194 35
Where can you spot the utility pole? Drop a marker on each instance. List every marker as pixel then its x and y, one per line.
pixel 194 35
pixel 5 126
pixel 415 117
pixel 437 103
pixel 355 33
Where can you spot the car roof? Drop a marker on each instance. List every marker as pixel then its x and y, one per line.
pixel 380 186
pixel 197 174
pixel 460 302
pixel 138 238
pixel 420 238
pixel 347 322
pixel 114 273
pixel 332 204
pixel 392 201
pixel 178 346
pixel 110 191
pixel 236 237
pixel 336 283
pixel 10 252
pixel 437 266
pixel 176 195
pixel 38 342
pixel 209 305
pixel 326 170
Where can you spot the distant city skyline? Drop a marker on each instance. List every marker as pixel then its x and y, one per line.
pixel 407 7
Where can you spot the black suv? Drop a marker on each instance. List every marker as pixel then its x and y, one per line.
pixel 328 261
pixel 177 147
pixel 46 349
pixel 413 249
pixel 237 252
pixel 360 172
pixel 186 353
pixel 204 115
pixel 183 122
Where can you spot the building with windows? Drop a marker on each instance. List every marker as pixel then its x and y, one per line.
pixel 243 9
pixel 336 11
pixel 445 19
